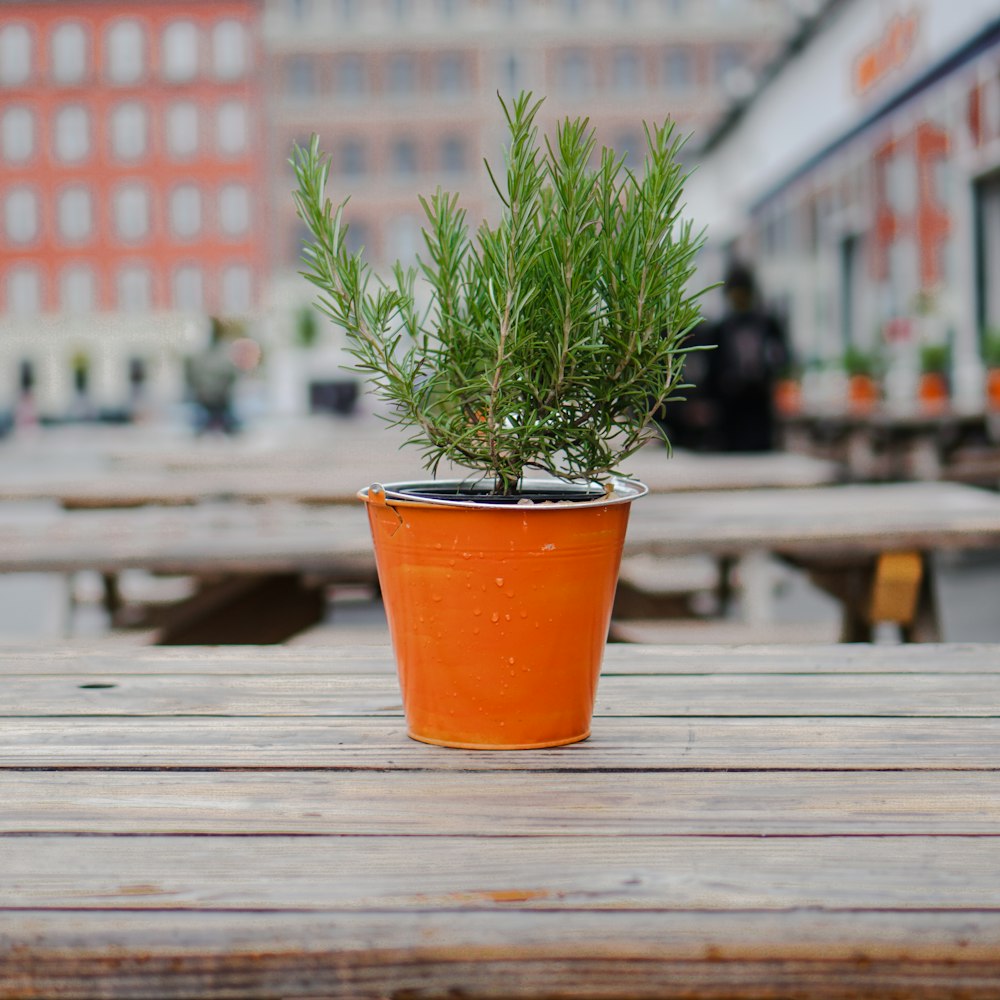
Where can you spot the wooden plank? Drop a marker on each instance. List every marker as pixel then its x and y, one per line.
pixel 401 872
pixel 669 696
pixel 542 804
pixel 71 659
pixel 356 956
pixel 618 745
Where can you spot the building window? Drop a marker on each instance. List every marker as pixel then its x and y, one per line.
pixel 126 52
pixel 236 289
pixel 345 10
pixel 15 55
pixel 72 134
pixel 21 215
pixel 17 135
pixel 77 289
pixel 511 73
pixel 728 59
pixel 400 9
pixel 185 211
pixel 129 126
pixel 678 69
pixel 402 75
pixel 69 53
pixel 180 51
pixel 300 76
pixel 351 76
pixel 631 146
pixel 131 208
pixel 352 158
pixel 454 159
pixel 299 10
pixel 75 215
pixel 451 73
pixel 627 73
pixel 24 291
pixel 229 50
pixel 135 288
pixel 182 130
pixel 575 72
pixel 232 128
pixel 404 157
pixel 189 288
pixel 234 210
pixel 357 237
pixel 402 239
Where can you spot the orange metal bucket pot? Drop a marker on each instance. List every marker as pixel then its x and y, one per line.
pixel 498 613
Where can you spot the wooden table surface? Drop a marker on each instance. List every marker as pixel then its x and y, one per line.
pixel 743 822
pixel 318 477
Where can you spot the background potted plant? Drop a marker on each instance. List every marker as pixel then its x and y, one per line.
pixel 991 358
pixel 862 379
pixel 933 386
pixel 552 339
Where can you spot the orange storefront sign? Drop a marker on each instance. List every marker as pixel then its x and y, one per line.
pixel 888 53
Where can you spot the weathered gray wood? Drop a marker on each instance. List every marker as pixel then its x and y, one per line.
pixel 835 520
pixel 452 803
pixel 86 656
pixel 389 871
pixel 622 745
pixel 670 696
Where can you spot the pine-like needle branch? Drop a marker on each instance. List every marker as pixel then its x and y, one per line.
pixel 553 337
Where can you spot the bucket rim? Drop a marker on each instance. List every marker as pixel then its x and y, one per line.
pixel 616 490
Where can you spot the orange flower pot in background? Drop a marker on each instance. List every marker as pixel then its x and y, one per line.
pixel 862 393
pixel 933 392
pixel 788 397
pixel 498 613
pixel 993 388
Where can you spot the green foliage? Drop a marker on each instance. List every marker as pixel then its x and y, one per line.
pixel 859 362
pixel 306 327
pixel 553 337
pixel 934 357
pixel 991 346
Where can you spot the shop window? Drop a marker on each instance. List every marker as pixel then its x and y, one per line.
pixel 69 53
pixel 230 57
pixel 129 127
pixel 75 215
pixel 15 55
pixel 234 210
pixel 21 215
pixel 125 52
pixel 232 127
pixel 72 134
pixel 185 211
pixel 17 135
pixel 236 285
pixel 24 290
pixel 131 212
pixel 135 288
pixel 180 52
pixel 77 289
pixel 182 130
pixel 189 288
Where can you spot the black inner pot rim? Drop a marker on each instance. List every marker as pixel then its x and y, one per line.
pixel 480 493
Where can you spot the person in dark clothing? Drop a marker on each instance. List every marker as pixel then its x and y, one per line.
pixel 693 421
pixel 751 354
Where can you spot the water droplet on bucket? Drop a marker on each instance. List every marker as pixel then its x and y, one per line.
pixel 477 611
pixel 499 581
pixel 494 617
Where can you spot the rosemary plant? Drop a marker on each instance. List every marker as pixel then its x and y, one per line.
pixel 554 337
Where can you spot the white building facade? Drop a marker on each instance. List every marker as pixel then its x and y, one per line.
pixel 862 180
